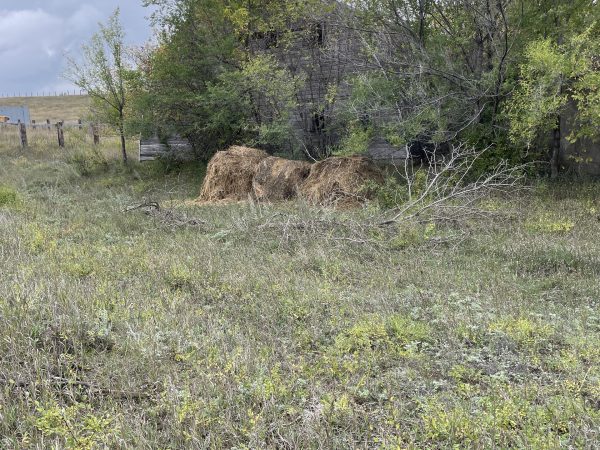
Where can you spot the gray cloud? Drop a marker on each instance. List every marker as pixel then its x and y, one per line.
pixel 36 34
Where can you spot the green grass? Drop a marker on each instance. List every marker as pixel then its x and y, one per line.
pixel 68 108
pixel 278 327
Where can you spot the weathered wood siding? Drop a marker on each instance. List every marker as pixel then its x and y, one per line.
pixel 152 148
pixel 315 51
pixel 382 151
pixel 324 54
pixel 582 156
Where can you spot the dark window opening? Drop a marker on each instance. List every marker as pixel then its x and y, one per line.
pixel 271 39
pixel 266 40
pixel 317 35
pixel 317 123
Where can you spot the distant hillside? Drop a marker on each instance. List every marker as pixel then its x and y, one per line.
pixel 68 108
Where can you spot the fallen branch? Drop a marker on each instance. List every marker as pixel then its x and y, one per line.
pixel 446 186
pixel 90 387
pixel 166 217
pixel 147 205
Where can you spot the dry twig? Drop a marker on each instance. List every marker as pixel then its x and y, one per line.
pixel 448 193
pixel 166 217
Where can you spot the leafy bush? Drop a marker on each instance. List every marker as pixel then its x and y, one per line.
pixel 547 223
pixel 9 197
pixel 86 161
pixel 77 426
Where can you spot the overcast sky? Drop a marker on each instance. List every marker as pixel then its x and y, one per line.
pixel 35 34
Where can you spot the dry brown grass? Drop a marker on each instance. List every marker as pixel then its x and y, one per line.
pixel 279 179
pixel 241 172
pixel 66 108
pixel 339 181
pixel 230 173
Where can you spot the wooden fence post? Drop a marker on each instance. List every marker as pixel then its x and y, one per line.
pixel 48 124
pixel 33 124
pixel 23 134
pixel 96 134
pixel 79 123
pixel 61 135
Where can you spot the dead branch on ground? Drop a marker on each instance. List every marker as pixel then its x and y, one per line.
pixel 165 217
pixel 448 192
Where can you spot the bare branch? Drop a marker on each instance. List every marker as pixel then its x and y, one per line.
pixel 448 186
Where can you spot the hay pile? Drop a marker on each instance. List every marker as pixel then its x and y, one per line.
pixel 241 172
pixel 279 179
pixel 230 173
pixel 338 181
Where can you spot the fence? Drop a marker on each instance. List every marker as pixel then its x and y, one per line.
pixel 73 134
pixel 75 92
pixel 45 133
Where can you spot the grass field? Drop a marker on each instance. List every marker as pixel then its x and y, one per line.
pixel 67 108
pixel 44 139
pixel 257 326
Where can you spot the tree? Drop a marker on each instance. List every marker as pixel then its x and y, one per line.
pixel 560 68
pixel 177 94
pixel 102 73
pixel 495 73
pixel 206 81
pixel 425 74
pixel 431 71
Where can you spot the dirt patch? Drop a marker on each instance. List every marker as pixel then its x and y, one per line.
pixel 339 181
pixel 230 173
pixel 279 179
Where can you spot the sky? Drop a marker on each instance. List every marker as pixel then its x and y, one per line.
pixel 35 35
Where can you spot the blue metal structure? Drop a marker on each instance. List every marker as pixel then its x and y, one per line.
pixel 16 114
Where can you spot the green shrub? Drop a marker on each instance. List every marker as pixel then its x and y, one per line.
pixel 394 192
pixel 9 197
pixel 548 223
pixel 389 194
pixel 86 161
pixel 77 426
pixel 356 142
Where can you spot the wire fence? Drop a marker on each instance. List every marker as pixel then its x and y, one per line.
pixel 27 94
pixel 60 135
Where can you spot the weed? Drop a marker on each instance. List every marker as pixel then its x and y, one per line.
pixel 9 198
pixel 547 223
pixel 527 333
pixel 76 426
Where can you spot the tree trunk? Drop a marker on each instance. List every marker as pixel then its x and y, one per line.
pixel 422 11
pixel 555 157
pixel 122 133
pixel 123 148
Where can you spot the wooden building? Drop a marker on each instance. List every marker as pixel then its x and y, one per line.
pixel 325 54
